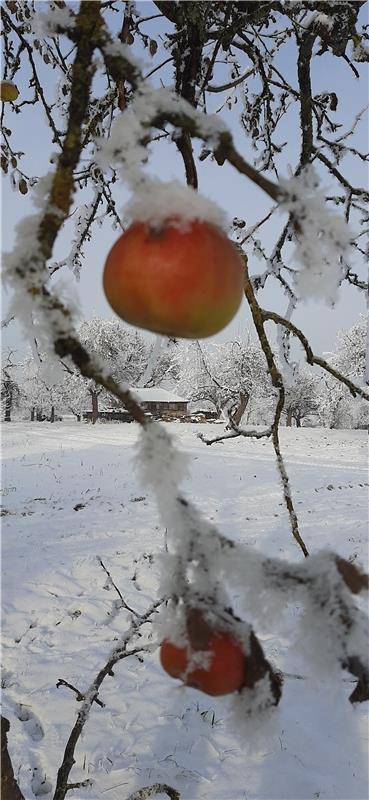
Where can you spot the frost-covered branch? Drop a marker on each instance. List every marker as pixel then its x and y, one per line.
pixel 90 696
pixel 324 582
pixel 119 593
pixel 236 432
pixel 156 788
pixel 277 381
pixel 39 91
pixel 313 359
pixel 305 94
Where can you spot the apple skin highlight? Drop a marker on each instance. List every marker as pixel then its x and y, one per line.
pixel 185 282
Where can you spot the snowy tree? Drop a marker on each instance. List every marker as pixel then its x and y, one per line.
pixel 301 397
pixel 10 391
pixel 338 407
pixel 73 393
pixel 106 112
pixel 351 350
pixel 163 363
pixel 123 351
pixel 229 378
pixel 40 391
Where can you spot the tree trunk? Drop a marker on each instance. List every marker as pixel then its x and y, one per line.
pixel 52 415
pixel 33 414
pixel 95 407
pixel 241 408
pixel 8 406
pixel 298 421
pixel 289 418
pixel 9 787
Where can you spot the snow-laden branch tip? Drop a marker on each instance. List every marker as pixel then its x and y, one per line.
pixel 323 238
pixel 201 563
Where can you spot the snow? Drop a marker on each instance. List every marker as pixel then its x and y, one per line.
pixel 322 238
pixel 157 395
pixel 154 201
pixel 50 23
pixel 325 20
pixel 69 495
pixel 158 202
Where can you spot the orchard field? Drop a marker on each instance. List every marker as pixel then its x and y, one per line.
pixel 74 510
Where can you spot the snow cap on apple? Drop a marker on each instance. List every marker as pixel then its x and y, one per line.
pixel 174 271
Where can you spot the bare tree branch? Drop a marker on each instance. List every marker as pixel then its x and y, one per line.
pixel 91 695
pixel 313 359
pixel 157 788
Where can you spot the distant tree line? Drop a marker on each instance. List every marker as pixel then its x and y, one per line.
pixel 230 379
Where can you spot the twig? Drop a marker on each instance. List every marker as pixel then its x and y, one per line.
pixel 79 784
pixel 253 434
pixel 277 382
pixel 313 359
pixel 39 89
pixel 80 697
pixel 90 696
pixel 357 190
pixel 124 604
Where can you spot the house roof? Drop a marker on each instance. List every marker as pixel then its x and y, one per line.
pixel 156 395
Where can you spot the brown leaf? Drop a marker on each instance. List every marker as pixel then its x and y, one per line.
pixel 22 186
pixel 355 580
pixel 153 46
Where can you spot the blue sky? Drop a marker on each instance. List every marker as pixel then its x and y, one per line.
pixel 233 192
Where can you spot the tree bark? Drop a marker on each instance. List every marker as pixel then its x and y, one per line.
pixel 9 787
pixel 95 407
pixel 289 418
pixel 32 414
pixel 52 414
pixel 241 408
pixel 8 405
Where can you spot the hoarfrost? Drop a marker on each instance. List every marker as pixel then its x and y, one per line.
pixel 122 50
pixel 360 51
pixel 323 238
pixel 153 200
pixel 325 20
pixel 52 21
pixel 331 628
pixel 25 265
pixel 158 202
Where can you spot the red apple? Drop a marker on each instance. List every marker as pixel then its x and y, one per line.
pixel 223 674
pixel 180 281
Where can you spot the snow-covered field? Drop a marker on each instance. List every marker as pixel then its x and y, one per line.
pixel 70 495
